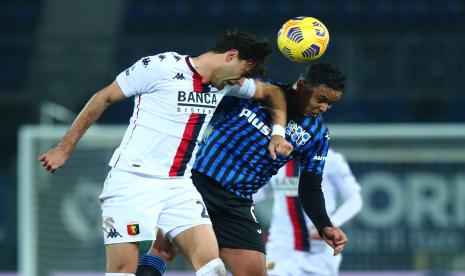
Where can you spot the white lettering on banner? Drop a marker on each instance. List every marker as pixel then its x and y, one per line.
pixel 392 212
pixel 459 200
pixel 417 199
pixel 428 199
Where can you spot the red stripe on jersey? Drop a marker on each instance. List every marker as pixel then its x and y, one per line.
pixel 187 138
pixel 197 85
pixel 132 132
pixel 196 77
pixel 298 224
pixel 290 168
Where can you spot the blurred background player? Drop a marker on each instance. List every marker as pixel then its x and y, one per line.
pixel 149 184
pixel 233 163
pixel 294 246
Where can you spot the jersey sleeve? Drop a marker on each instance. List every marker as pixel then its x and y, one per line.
pixel 142 77
pixel 342 176
pixel 314 154
pixel 246 90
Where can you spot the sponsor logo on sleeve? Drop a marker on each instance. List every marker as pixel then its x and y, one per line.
pixel 297 134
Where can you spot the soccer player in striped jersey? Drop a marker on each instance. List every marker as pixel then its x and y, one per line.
pixel 149 185
pixel 294 247
pixel 233 163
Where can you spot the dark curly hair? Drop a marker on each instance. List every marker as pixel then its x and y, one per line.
pixel 324 73
pixel 250 48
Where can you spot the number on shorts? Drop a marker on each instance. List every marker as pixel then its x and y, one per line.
pixel 204 209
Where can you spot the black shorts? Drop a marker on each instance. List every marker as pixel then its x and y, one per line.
pixel 232 216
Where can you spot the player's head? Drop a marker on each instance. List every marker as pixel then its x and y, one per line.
pixel 319 86
pixel 242 56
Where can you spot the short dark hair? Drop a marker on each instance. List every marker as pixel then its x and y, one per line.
pixel 324 73
pixel 250 48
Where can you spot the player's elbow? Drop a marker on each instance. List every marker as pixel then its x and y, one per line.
pixel 109 94
pixel 357 202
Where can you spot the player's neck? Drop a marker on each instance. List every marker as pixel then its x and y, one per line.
pixel 291 99
pixel 205 64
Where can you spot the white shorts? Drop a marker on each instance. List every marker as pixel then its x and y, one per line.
pixel 319 261
pixel 134 205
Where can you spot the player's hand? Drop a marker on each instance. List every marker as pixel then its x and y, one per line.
pixel 54 159
pixel 335 238
pixel 279 145
pixel 163 248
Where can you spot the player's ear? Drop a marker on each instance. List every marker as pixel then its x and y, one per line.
pixel 301 85
pixel 231 55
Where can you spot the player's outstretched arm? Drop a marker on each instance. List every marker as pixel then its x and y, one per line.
pixel 276 100
pixel 56 157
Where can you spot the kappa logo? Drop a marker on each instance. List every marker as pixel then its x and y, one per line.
pixel 177 58
pixel 146 61
pixel 297 134
pixel 113 233
pixel 179 76
pixel 109 227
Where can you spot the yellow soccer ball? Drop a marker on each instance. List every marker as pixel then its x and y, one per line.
pixel 303 39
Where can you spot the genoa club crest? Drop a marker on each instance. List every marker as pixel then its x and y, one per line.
pixel 133 229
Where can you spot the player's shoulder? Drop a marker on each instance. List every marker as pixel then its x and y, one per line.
pixel 335 157
pixel 315 123
pixel 163 60
pixel 278 83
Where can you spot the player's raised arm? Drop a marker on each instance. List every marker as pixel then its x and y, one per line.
pixel 56 157
pixel 277 105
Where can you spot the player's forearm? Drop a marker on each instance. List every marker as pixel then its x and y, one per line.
pixel 275 99
pixel 313 201
pixel 278 107
pixel 347 210
pixel 88 115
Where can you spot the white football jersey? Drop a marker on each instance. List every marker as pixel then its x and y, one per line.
pixel 172 107
pixel 290 227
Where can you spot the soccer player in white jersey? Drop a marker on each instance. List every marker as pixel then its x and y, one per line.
pixel 149 185
pixel 294 246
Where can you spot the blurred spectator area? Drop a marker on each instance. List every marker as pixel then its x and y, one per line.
pixel 352 13
pixel 403 59
pixel 18 19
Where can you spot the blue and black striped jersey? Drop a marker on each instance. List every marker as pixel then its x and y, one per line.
pixel 236 152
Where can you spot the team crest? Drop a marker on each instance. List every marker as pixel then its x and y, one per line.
pixel 133 229
pixel 270 265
